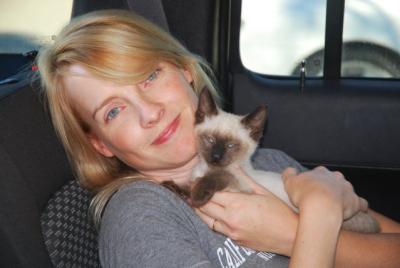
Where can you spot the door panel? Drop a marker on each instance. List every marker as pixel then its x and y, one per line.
pixel 351 125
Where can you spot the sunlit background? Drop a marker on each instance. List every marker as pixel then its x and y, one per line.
pixel 26 23
pixel 276 35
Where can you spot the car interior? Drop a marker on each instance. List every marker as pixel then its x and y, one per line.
pixel 349 124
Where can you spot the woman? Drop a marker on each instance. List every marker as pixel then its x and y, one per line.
pixel 122 95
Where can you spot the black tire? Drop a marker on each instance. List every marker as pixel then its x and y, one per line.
pixel 357 58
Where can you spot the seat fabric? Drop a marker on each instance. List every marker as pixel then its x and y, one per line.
pixel 69 234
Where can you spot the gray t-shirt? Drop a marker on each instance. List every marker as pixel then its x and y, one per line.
pixel 146 225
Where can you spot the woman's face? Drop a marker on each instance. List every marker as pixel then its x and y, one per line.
pixel 149 126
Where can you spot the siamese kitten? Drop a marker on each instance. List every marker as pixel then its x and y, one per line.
pixel 224 139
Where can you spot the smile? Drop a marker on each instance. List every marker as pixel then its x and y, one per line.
pixel 167 132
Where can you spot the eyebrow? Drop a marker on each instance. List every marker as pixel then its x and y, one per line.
pixel 102 104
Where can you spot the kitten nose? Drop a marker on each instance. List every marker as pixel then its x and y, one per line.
pixel 216 157
pixel 217 153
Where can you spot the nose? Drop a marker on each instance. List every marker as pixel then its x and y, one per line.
pixel 216 157
pixel 150 112
pixel 217 153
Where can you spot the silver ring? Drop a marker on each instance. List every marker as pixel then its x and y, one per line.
pixel 213 224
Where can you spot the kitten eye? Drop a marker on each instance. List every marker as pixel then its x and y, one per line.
pixel 113 113
pixel 210 139
pixel 231 145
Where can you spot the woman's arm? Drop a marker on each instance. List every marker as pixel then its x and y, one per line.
pixel 266 223
pixel 387 225
pixel 316 236
pixel 370 250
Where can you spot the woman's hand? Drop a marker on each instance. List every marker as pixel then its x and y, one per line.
pixel 258 221
pixel 322 187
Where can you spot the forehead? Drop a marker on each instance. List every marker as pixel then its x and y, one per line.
pixel 77 69
pixel 83 89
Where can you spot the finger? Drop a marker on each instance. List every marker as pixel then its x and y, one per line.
pixel 221 227
pixel 212 223
pixel 213 210
pixel 207 219
pixel 355 205
pixel 348 185
pixel 321 169
pixel 339 174
pixel 225 198
pixel 229 199
pixel 289 172
pixel 286 174
pixel 363 204
pixel 257 188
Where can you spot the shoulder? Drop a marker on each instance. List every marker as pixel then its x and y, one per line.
pixel 140 197
pixel 274 160
pixel 139 222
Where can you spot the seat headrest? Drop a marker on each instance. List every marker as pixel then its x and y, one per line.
pixel 152 10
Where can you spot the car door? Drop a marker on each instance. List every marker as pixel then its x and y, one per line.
pixel 343 111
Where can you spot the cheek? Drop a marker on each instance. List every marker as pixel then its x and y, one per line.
pixel 190 137
pixel 181 92
pixel 122 138
pixel 186 143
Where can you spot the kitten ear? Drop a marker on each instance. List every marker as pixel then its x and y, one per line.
pixel 206 106
pixel 255 122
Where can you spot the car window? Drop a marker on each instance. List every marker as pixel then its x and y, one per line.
pixel 27 24
pixel 371 39
pixel 277 35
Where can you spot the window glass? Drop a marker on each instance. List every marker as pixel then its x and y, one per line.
pixel 371 39
pixel 276 35
pixel 27 24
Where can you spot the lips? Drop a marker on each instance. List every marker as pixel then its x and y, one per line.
pixel 167 132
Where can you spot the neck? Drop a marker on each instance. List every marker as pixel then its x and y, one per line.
pixel 180 175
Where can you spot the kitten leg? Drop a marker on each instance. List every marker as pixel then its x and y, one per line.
pixel 205 187
pixel 362 222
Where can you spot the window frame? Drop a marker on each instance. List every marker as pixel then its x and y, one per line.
pixel 332 50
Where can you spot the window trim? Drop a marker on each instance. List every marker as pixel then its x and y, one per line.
pixel 333 39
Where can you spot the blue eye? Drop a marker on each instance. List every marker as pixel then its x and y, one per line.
pixel 153 76
pixel 113 113
pixel 231 145
pixel 210 139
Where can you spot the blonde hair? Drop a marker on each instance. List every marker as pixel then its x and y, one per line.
pixel 113 45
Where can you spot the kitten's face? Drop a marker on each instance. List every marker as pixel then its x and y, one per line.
pixel 225 138
pixel 219 149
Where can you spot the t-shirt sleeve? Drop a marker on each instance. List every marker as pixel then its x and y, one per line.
pixel 274 160
pixel 148 227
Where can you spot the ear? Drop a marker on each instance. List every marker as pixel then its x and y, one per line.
pixel 255 122
pixel 99 146
pixel 188 75
pixel 206 106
